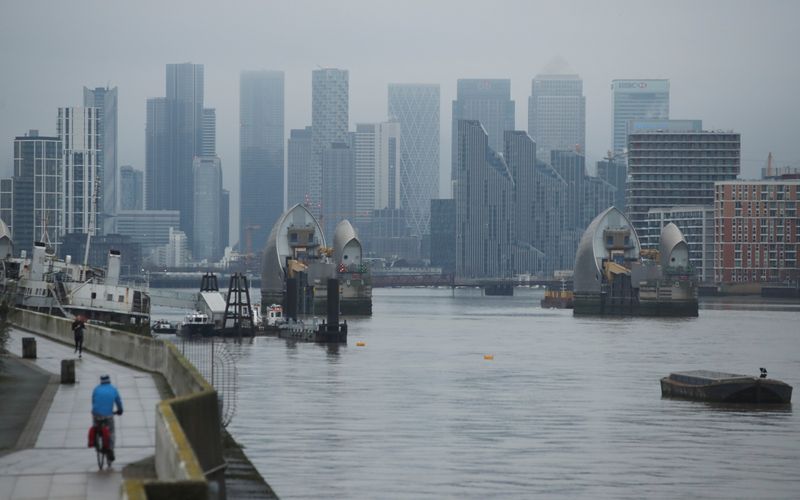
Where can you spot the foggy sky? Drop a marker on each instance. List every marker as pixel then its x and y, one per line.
pixel 732 64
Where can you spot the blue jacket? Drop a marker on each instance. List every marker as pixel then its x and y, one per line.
pixel 103 399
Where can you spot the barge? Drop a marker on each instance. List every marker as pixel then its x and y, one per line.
pixel 718 387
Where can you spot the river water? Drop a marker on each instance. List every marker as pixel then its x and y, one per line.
pixel 567 407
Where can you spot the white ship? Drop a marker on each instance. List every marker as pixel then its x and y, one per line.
pixel 45 283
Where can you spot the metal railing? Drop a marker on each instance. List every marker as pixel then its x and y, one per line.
pixel 217 365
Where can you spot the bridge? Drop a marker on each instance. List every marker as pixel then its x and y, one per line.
pixel 380 279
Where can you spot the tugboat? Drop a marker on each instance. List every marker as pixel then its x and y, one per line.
pixel 704 385
pixel 197 324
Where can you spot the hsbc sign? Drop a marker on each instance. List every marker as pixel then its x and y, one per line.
pixel 641 85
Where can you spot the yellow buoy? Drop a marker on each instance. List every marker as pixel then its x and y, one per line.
pixel 360 344
pixel 488 357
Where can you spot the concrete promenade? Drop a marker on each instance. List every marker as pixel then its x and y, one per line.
pixel 59 465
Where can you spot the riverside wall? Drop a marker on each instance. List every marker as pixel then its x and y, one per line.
pixel 188 453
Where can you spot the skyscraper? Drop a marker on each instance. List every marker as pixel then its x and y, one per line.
pixel 377 172
pixel 78 129
pixel 416 108
pixel 207 208
pixel 557 113
pixel 338 186
pixel 330 119
pixel 209 141
pixel 160 174
pixel 131 188
pixel 635 100
pixel 298 168
pixel 174 137
pixel 37 190
pixel 484 206
pixel 489 102
pixel 105 100
pixel 261 136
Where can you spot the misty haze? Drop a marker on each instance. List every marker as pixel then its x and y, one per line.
pixel 409 249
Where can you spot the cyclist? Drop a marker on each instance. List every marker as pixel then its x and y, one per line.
pixel 104 397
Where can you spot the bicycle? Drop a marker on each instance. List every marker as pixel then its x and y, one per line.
pixel 105 453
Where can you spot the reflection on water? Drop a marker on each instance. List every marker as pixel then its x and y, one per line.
pixel 567 407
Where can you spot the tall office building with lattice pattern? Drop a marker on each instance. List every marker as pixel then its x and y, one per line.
pixel 416 108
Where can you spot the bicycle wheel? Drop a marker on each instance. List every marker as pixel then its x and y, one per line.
pixel 98 446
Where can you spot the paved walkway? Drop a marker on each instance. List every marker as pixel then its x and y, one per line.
pixel 60 465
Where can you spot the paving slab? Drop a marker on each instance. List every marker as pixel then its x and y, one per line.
pixel 60 465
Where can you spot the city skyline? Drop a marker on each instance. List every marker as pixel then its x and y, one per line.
pixel 707 83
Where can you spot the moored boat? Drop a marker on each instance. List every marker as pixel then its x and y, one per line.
pixel 711 386
pixel 558 298
pixel 163 326
pixel 196 323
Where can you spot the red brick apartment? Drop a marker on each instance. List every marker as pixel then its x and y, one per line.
pixel 756 228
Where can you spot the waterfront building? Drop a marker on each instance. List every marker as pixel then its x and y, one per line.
pixel 484 194
pixel 390 237
pixel 37 198
pixel 377 172
pixel 557 112
pixel 550 234
pixel 105 101
pixel 487 101
pixel 261 146
pixel 415 106
pixel 78 129
pixel 584 197
pixel 330 95
pixel 667 168
pixel 174 136
pixel 207 208
pixel 757 231
pixel 587 195
pixel 7 204
pixel 636 100
pixel 298 166
pixel 149 228
pixel 443 234
pixel 696 222
pixel 520 157
pixel 338 193
pixel 208 143
pixel 131 188
pixel 615 172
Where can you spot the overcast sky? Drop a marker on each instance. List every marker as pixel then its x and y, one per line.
pixel 735 65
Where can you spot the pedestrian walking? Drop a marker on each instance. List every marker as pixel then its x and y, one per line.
pixel 77 329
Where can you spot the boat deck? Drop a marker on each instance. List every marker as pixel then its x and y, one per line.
pixel 697 377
